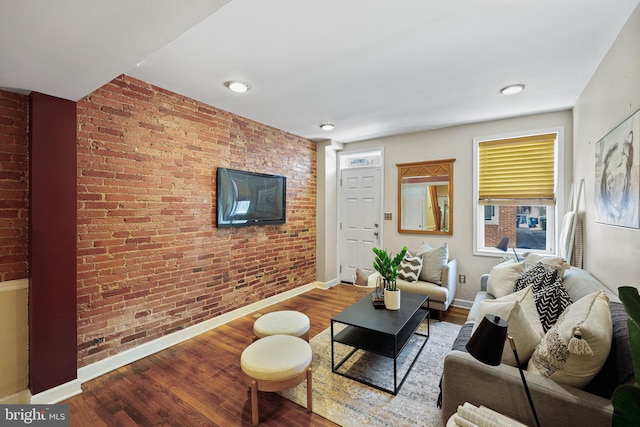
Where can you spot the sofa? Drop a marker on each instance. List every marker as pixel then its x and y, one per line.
pixel 500 388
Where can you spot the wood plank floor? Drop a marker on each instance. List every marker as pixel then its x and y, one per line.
pixel 199 382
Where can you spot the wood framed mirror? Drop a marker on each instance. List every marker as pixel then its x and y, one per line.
pixel 425 197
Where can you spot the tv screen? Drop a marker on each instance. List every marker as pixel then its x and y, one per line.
pixel 250 198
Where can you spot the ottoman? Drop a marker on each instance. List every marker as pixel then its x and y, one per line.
pixel 276 363
pixel 284 322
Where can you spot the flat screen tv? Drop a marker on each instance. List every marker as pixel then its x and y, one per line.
pixel 250 198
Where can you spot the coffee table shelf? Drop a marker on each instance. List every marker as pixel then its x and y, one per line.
pixel 383 332
pixel 378 342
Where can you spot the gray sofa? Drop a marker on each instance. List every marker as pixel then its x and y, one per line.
pixel 440 296
pixel 500 388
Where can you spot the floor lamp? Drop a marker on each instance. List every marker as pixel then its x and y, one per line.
pixel 503 245
pixel 486 345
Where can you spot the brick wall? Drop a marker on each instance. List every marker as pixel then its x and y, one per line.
pixel 14 186
pixel 507 227
pixel 150 258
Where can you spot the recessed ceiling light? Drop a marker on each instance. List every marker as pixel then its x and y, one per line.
pixel 327 126
pixel 512 89
pixel 237 86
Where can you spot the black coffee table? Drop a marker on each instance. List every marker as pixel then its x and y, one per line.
pixel 380 331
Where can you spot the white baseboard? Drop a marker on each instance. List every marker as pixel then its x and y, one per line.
pixel 462 303
pixel 57 394
pixel 330 283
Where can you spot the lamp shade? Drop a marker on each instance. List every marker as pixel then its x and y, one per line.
pixel 503 245
pixel 487 342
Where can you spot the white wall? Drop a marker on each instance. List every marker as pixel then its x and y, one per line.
pixel 455 142
pixel 613 94
pixel 326 214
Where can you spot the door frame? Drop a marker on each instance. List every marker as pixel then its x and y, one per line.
pixel 339 159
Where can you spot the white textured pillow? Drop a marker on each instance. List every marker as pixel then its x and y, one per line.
pixel 503 278
pixel 433 261
pixel 527 301
pixel 424 247
pixel 574 350
pixel 524 333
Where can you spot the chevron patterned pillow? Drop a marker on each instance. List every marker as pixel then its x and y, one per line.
pixel 409 268
pixel 550 296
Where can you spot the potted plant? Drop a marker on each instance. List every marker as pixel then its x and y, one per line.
pixel 387 265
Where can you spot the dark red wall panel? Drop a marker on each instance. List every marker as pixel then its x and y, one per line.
pixel 52 242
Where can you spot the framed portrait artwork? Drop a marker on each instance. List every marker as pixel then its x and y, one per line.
pixel 617 193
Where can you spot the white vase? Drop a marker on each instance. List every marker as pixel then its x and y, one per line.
pixel 392 299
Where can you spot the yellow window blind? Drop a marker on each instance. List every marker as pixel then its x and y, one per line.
pixel 517 170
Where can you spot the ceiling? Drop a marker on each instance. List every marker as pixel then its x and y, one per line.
pixel 372 67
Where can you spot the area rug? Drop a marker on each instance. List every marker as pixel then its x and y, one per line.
pixel 350 403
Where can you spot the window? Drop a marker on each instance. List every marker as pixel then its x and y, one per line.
pixel 517 186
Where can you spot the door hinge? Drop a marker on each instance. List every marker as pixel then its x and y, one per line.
pixel 340 268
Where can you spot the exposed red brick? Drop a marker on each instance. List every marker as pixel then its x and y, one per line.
pixel 14 186
pixel 151 260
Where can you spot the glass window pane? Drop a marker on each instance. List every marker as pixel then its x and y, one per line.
pixel 526 226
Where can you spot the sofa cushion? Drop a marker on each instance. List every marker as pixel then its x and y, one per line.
pixel 503 278
pixel 410 267
pixel 436 293
pixel 433 261
pixel 549 295
pixel 574 350
pixel 525 335
pixel 579 283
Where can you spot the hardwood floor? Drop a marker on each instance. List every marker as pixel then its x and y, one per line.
pixel 199 381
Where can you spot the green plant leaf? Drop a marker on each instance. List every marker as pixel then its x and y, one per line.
pixel 626 406
pixel 631 301
pixel 626 398
pixel 386 264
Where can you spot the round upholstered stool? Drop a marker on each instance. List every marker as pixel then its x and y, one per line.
pixel 285 322
pixel 276 363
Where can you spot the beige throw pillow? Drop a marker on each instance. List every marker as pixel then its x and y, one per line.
pixel 503 277
pixel 531 260
pixel 433 261
pixel 527 301
pixel 574 350
pixel 361 278
pixel 519 326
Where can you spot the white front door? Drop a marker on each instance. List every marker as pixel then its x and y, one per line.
pixel 360 220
